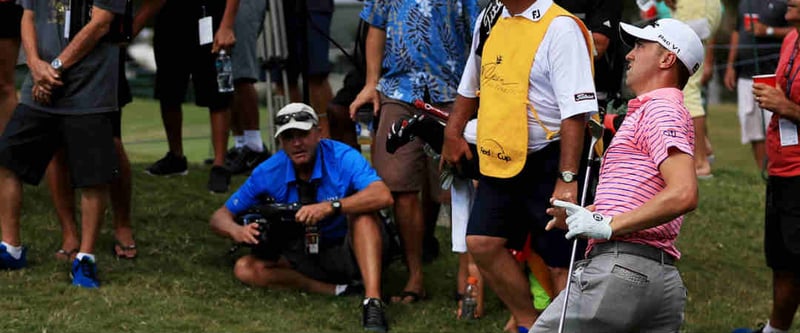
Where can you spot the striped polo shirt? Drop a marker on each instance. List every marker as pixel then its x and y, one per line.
pixel 656 121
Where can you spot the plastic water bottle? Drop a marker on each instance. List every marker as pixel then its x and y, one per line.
pixel 224 72
pixel 469 303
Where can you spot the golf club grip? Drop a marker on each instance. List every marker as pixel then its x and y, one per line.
pixel 432 110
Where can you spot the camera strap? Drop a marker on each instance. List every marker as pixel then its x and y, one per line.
pixel 307 193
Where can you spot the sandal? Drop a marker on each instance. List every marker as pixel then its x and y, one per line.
pixel 64 255
pixel 411 296
pixel 121 251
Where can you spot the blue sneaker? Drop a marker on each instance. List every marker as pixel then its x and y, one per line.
pixel 84 273
pixel 8 262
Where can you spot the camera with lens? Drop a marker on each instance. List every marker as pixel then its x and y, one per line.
pixel 271 218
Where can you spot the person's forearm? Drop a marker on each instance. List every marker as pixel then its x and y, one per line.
pixel 148 9
pixel 791 111
pixel 734 45
pixel 28 36
pixel 221 222
pixel 463 109
pixel 600 43
pixel 87 37
pixel 677 198
pixel 709 59
pixel 780 32
pixel 572 131
pixel 374 197
pixel 374 48
pixel 229 17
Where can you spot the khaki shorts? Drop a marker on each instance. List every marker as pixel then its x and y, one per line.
pixel 692 98
pixel 752 125
pixel 407 169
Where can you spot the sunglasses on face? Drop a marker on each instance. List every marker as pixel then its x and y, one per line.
pixel 298 116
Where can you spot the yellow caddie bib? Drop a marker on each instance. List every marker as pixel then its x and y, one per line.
pixel 506 64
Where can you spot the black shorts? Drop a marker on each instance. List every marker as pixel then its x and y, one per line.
pixel 315 49
pixel 10 17
pixel 335 262
pixel 179 58
pixel 782 226
pixel 32 137
pixel 515 207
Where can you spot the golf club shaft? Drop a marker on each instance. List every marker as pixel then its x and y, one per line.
pixel 584 192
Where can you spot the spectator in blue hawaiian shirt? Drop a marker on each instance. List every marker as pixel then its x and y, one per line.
pixel 414 50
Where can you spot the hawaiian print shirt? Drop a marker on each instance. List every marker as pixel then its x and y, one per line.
pixel 427 44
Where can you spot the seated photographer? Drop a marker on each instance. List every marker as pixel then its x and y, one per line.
pixel 340 194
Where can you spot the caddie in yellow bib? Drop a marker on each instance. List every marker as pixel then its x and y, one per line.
pixel 506 63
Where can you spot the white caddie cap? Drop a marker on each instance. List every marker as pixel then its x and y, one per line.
pixel 675 36
pixel 293 111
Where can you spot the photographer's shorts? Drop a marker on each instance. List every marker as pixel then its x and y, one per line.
pixel 32 137
pixel 249 23
pixel 335 262
pixel 752 125
pixel 515 207
pixel 782 227
pixel 10 17
pixel 179 56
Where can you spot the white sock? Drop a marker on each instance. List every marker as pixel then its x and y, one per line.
pixel 252 139
pixel 770 329
pixel 340 288
pixel 82 255
pixel 14 251
pixel 238 141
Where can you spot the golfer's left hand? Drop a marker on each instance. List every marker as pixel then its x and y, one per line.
pixel 582 222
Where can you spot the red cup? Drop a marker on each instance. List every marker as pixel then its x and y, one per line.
pixel 750 19
pixel 768 79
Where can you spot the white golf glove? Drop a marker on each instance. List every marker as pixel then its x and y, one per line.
pixel 582 222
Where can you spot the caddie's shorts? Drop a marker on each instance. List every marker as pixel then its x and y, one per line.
pixel 782 226
pixel 32 137
pixel 515 207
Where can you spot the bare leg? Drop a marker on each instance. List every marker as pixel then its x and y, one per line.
pixel 244 115
pixel 320 95
pixel 785 299
pixel 10 206
pixel 64 201
pixel 367 249
pixel 220 124
pixel 259 273
pixel 9 47
pixel 411 226
pixel 504 275
pixel 701 165
pixel 92 208
pixel 759 153
pixel 121 203
pixel 172 118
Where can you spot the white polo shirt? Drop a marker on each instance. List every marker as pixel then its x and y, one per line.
pixel 560 80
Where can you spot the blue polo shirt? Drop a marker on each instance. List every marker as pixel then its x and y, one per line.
pixel 339 170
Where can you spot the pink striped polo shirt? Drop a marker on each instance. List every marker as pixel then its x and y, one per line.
pixel 656 121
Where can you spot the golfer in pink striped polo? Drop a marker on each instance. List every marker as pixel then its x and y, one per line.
pixel 629 283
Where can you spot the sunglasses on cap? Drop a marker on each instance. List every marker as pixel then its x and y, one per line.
pixel 298 116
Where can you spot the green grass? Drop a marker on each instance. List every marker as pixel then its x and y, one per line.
pixel 182 281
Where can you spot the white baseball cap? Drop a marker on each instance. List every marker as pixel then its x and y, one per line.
pixel 295 115
pixel 673 35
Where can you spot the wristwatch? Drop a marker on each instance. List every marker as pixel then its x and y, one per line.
pixel 337 207
pixel 770 31
pixel 56 64
pixel 567 176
